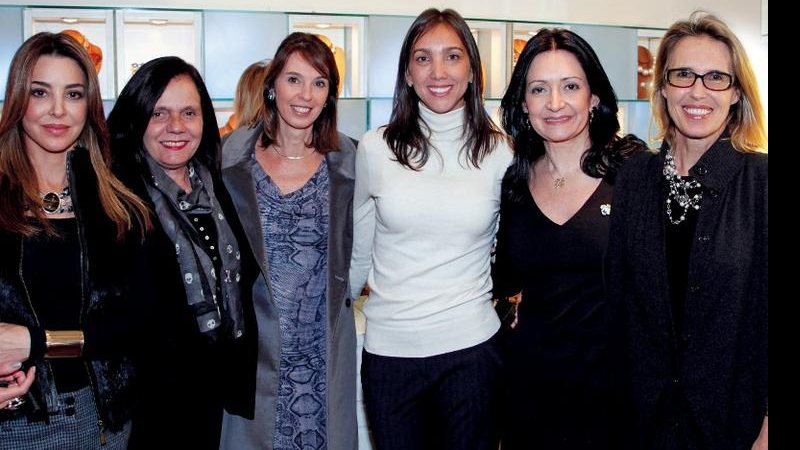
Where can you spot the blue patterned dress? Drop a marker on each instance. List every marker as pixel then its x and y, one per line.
pixel 295 228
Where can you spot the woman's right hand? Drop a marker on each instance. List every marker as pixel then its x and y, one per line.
pixel 15 385
pixel 15 347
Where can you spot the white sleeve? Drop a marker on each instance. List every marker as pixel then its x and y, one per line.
pixel 363 222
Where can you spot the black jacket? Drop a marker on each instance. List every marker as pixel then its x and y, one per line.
pixel 711 380
pixel 109 270
pixel 183 373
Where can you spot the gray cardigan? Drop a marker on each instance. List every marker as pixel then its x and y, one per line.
pixel 256 431
pixel 712 377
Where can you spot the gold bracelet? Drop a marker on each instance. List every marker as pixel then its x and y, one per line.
pixel 64 344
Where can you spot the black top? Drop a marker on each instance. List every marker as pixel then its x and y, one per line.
pixel 557 354
pixel 679 239
pixel 51 269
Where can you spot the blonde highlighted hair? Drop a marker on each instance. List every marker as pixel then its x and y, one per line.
pixel 18 183
pixel 746 118
pixel 249 100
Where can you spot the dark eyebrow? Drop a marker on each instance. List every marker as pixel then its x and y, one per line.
pixel 47 85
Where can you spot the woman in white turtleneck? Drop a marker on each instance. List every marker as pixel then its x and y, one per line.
pixel 427 196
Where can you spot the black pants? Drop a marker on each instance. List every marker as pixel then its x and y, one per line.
pixel 447 401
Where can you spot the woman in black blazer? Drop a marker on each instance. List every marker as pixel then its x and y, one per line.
pixel 689 250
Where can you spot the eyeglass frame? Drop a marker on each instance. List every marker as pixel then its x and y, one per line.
pixel 696 76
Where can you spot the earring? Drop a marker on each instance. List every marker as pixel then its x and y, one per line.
pixel 528 125
pixel 271 94
pixel 591 113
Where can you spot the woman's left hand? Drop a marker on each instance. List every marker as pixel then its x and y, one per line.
pixel 761 440
pixel 15 385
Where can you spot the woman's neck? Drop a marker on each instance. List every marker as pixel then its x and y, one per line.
pixel 564 158
pixel 50 169
pixel 181 177
pixel 687 151
pixel 291 141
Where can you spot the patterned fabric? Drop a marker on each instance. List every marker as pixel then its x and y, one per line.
pixel 72 427
pixel 201 280
pixel 295 229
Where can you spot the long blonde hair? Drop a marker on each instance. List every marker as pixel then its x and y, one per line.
pixel 18 183
pixel 746 118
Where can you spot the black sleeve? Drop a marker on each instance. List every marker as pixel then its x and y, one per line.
pixel 505 279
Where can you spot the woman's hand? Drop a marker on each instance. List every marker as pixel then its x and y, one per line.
pixel 761 440
pixel 15 385
pixel 15 347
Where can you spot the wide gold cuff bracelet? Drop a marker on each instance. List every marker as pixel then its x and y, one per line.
pixel 64 344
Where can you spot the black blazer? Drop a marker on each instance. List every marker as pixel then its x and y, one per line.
pixel 713 377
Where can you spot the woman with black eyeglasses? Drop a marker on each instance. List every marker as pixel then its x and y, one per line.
pixel 688 251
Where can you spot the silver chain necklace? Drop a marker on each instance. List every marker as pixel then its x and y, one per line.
pixel 679 191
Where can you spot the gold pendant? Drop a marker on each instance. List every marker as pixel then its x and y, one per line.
pixel 558 182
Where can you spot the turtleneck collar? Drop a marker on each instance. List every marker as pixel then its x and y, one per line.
pixel 448 122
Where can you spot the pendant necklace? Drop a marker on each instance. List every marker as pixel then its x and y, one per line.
pixel 57 202
pixel 558 181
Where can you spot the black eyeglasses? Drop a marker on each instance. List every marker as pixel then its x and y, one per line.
pixel 714 80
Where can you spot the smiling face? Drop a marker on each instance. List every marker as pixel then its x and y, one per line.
pixel 439 70
pixel 57 107
pixel 176 127
pixel 300 93
pixel 557 97
pixel 698 113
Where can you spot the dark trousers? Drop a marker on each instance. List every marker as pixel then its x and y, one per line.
pixel 447 401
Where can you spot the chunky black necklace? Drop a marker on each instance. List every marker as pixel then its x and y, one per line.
pixel 680 191
pixel 57 202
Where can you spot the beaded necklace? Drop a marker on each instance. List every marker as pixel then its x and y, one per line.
pixel 680 191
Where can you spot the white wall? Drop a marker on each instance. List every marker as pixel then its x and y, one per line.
pixel 743 16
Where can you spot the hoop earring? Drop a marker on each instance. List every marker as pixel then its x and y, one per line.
pixel 271 94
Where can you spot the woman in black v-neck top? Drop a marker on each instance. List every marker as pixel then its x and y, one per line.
pixel 560 111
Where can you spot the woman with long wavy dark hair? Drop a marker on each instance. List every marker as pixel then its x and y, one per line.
pixel 561 114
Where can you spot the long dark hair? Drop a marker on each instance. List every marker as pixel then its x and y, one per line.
pixel 18 184
pixel 324 136
pixel 131 114
pixel 403 134
pixel 607 151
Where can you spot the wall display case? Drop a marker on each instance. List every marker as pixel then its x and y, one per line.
pixel 93 28
pixel 221 44
pixel 345 37
pixel 647 49
pixel 10 40
pixel 492 41
pixel 234 40
pixel 143 35
pixel 521 32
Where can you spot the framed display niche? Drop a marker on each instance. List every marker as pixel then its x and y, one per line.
pixel 143 35
pixel 93 28
pixel 345 35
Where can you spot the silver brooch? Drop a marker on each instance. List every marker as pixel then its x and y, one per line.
pixel 605 209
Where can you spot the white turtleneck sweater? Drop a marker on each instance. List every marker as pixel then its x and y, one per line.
pixel 422 241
